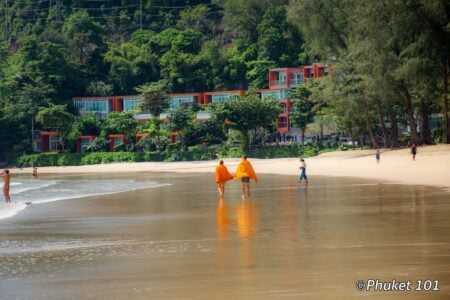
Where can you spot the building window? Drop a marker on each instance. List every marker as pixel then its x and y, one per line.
pixel 117 141
pixel 176 101
pixel 275 94
pixel 298 78
pixel 283 107
pixel 220 98
pixel 92 105
pixel 282 122
pixel 131 104
pixel 85 144
pixel 281 78
pixel 52 143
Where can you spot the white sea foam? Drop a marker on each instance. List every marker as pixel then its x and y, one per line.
pixel 8 210
pixel 42 191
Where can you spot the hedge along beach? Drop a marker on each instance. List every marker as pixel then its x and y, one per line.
pixel 177 240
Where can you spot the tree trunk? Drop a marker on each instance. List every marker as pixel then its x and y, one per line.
pixel 394 129
pixel 410 113
pixel 245 140
pixel 32 134
pixel 371 133
pixel 382 124
pixel 425 134
pixel 446 131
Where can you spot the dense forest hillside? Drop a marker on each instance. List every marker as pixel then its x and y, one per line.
pixel 390 58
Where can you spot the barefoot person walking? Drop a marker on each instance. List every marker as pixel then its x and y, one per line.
pixel 414 151
pixel 6 179
pixel 303 171
pixel 222 176
pixel 244 172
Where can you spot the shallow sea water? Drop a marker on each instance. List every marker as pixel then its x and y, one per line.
pixel 176 240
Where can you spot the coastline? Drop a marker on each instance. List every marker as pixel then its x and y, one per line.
pixel 431 168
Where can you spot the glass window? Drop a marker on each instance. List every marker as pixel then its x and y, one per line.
pixel 52 143
pixel 281 78
pixel 79 104
pixel 130 104
pixel 95 106
pixel 219 98
pixel 176 101
pixel 85 143
pixel 277 95
pixel 117 141
pixel 298 78
pixel 282 122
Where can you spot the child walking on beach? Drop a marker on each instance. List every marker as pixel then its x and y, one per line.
pixel 303 171
pixel 222 176
pixel 6 179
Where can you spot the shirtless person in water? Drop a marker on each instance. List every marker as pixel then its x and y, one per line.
pixel 6 179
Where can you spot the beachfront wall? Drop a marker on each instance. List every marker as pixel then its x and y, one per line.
pixel 84 142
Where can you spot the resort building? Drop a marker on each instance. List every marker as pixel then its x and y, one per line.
pixel 280 82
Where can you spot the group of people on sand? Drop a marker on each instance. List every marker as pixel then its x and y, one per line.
pixel 245 172
pixel 413 153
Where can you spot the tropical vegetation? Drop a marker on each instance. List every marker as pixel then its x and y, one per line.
pixel 389 64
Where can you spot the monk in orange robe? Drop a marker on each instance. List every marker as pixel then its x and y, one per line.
pixel 244 172
pixel 222 176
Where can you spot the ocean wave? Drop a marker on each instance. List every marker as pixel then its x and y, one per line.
pixel 43 191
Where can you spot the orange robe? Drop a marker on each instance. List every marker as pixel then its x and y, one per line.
pixel 222 174
pixel 245 169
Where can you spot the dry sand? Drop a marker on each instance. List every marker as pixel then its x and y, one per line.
pixel 431 167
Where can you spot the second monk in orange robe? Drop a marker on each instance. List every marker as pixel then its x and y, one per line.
pixel 244 172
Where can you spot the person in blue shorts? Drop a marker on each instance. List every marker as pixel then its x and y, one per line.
pixel 303 171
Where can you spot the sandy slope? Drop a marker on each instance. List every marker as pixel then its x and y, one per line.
pixel 432 166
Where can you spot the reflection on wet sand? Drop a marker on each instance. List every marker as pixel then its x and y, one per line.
pixel 223 219
pixel 285 242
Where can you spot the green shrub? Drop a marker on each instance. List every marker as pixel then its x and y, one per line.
pixel 343 147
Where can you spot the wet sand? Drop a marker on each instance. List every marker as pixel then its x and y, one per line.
pixel 182 242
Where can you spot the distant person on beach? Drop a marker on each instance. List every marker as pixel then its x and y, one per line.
pixel 244 172
pixel 6 179
pixel 377 156
pixel 222 176
pixel 34 174
pixel 303 171
pixel 414 151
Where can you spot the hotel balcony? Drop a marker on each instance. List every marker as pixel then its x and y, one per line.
pixel 285 78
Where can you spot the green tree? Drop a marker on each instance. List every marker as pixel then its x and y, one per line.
pixel 302 113
pixel 154 99
pixel 120 123
pixel 248 113
pixel 56 117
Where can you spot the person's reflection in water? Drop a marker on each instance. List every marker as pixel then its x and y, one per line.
pixel 246 218
pixel 223 219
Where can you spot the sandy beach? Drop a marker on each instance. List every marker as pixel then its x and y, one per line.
pixel 431 167
pixel 160 231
